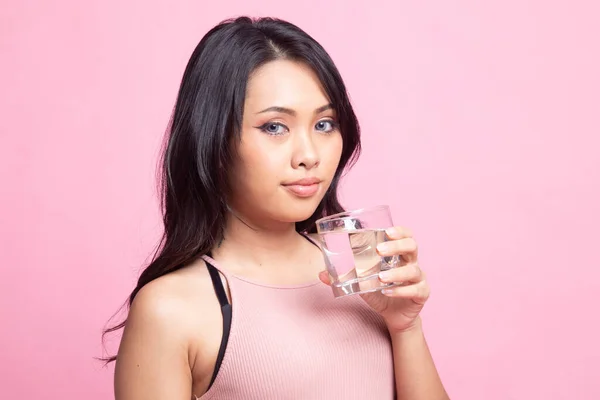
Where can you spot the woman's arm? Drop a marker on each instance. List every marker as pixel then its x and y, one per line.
pixel 152 363
pixel 416 375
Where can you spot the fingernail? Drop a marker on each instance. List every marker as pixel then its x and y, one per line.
pixel 382 247
pixel 391 231
pixel 384 276
pixel 387 291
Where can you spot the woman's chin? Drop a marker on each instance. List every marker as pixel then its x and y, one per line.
pixel 297 213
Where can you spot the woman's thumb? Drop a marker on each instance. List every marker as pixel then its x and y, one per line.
pixel 324 277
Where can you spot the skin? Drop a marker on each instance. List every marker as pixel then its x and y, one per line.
pixel 170 344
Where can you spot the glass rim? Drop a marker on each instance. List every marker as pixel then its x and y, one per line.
pixel 350 213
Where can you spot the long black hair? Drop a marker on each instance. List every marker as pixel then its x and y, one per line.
pixel 208 115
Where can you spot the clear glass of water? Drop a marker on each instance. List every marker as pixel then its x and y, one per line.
pixel 349 242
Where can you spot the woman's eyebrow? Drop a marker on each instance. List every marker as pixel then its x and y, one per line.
pixel 291 112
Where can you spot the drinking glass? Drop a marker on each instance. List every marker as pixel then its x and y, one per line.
pixel 349 242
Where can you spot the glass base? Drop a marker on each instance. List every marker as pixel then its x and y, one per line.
pixel 366 284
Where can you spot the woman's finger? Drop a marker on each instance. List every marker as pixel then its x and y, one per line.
pixel 324 277
pixel 407 248
pixel 406 273
pixel 398 232
pixel 418 292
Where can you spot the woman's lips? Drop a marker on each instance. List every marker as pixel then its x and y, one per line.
pixel 303 190
pixel 305 187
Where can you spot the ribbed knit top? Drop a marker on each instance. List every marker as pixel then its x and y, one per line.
pixel 299 342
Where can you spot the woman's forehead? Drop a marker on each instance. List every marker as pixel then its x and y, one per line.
pixel 285 84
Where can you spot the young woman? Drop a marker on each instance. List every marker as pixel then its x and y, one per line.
pixel 234 305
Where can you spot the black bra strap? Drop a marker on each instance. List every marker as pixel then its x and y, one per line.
pixel 310 240
pixel 226 312
pixel 217 283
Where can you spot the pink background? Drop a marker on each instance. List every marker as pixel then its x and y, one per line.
pixel 480 130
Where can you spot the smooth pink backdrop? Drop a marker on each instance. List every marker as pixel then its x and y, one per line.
pixel 481 130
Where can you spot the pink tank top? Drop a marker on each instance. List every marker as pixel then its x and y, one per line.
pixel 299 342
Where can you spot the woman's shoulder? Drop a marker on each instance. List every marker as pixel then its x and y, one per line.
pixel 171 321
pixel 176 299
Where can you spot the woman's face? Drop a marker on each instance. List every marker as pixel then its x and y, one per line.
pixel 290 145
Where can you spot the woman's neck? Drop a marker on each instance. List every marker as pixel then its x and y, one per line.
pixel 258 244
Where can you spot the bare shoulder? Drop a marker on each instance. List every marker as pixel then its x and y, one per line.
pixel 171 321
pixel 173 301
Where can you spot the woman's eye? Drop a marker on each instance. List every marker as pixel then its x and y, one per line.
pixel 326 126
pixel 274 128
